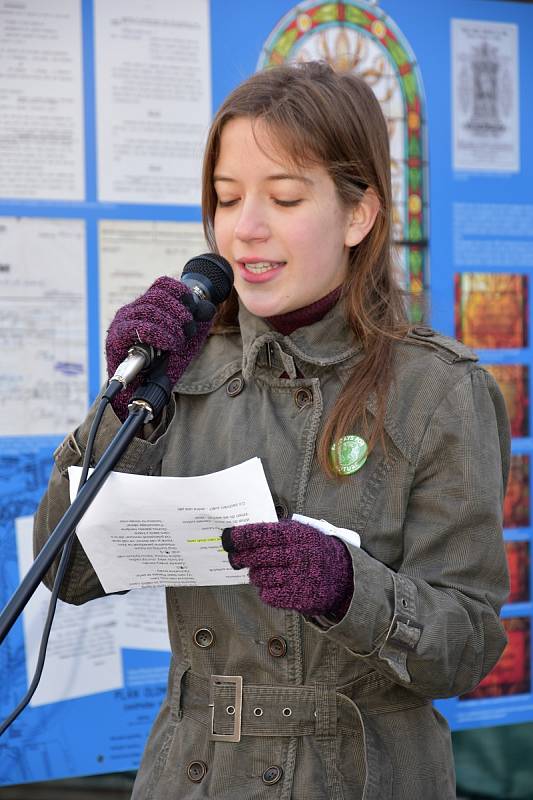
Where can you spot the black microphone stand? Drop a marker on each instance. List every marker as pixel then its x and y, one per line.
pixel 147 403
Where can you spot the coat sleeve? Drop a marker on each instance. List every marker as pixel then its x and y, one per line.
pixel 143 456
pixel 434 624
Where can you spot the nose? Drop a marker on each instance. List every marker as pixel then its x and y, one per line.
pixel 251 224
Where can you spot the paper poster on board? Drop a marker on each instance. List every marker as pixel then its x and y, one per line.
pixel 43 325
pixel 485 96
pixel 153 99
pixel 41 100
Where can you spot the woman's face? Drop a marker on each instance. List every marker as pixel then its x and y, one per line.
pixel 283 230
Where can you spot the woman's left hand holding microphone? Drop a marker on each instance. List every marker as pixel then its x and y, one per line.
pixel 163 318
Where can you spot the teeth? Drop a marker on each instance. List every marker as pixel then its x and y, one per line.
pixel 263 266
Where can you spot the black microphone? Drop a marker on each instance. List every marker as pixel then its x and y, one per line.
pixel 209 278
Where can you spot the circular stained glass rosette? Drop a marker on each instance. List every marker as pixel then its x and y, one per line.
pixel 359 37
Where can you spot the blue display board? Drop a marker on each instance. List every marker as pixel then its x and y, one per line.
pixel 476 240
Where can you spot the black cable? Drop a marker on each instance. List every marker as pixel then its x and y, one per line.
pixel 65 556
pixel 63 565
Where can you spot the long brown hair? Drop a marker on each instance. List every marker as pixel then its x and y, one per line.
pixel 334 120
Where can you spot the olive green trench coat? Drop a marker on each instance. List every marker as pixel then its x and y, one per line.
pixel 329 710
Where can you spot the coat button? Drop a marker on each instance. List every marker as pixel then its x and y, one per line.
pixel 204 637
pixel 235 386
pixel 282 509
pixel 303 397
pixel 423 330
pixel 277 646
pixel 272 775
pixel 196 771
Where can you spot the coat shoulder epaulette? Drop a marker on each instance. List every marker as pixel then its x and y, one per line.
pixel 445 347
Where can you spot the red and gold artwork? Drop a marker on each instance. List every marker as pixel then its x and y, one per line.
pixel 512 673
pixel 516 512
pixel 491 309
pixel 518 563
pixel 513 381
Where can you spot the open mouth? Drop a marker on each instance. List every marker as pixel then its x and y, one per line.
pixel 262 266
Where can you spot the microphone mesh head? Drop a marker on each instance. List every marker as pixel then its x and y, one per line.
pixel 216 269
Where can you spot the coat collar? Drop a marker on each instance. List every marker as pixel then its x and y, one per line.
pixel 326 342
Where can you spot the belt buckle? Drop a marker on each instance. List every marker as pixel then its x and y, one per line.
pixel 232 680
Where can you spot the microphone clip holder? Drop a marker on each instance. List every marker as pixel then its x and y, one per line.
pixel 154 393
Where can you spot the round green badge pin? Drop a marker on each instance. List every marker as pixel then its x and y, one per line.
pixel 349 454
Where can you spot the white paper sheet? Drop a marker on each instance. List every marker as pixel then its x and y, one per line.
pixel 153 94
pixel 133 253
pixel 148 531
pixel 43 329
pixel 485 96
pixel 41 119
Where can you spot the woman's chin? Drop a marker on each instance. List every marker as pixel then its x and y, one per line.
pixel 263 308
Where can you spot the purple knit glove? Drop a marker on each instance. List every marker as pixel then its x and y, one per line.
pixel 160 317
pixel 293 565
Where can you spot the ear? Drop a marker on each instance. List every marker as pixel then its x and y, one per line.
pixel 362 218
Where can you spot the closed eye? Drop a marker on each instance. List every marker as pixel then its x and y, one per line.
pixel 227 203
pixel 287 203
pixel 283 203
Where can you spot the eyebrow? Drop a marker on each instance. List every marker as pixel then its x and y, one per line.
pixel 283 176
